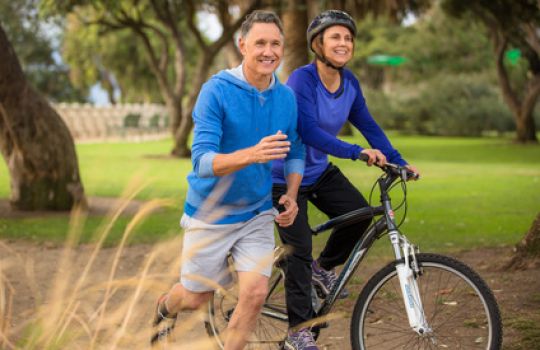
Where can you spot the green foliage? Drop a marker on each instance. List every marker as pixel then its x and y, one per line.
pixel 440 44
pixel 450 105
pixel 116 57
pixel 34 45
pixel 132 120
pixel 97 55
pixel 448 84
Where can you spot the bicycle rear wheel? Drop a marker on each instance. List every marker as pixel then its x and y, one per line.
pixel 458 305
pixel 272 324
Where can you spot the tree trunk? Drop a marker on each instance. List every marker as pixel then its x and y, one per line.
pixel 525 127
pixel 35 143
pixel 529 248
pixel 522 109
pixel 181 147
pixel 234 58
pixel 295 21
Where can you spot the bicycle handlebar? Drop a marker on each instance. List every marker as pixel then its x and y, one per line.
pixel 395 169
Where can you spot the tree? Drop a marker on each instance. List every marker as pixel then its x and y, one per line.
pixel 34 48
pixel 529 247
pixel 516 24
pixel 295 22
pixel 35 143
pixel 166 56
pixel 114 59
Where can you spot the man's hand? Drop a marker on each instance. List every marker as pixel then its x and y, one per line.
pixel 270 148
pixel 375 157
pixel 286 218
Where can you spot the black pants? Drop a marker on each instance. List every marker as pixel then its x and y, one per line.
pixel 334 195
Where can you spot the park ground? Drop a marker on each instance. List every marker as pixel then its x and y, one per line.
pixel 34 268
pixel 477 198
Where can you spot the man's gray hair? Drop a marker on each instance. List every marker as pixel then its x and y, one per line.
pixel 260 16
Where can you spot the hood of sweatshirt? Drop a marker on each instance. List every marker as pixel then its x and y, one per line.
pixel 236 76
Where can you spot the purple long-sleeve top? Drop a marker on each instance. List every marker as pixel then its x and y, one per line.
pixel 322 114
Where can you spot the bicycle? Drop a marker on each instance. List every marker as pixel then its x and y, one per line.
pixel 418 301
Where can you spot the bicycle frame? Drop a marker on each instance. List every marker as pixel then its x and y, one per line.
pixel 402 249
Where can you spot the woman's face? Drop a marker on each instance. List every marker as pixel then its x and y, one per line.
pixel 338 44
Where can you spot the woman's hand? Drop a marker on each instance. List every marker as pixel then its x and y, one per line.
pixel 375 157
pixel 414 170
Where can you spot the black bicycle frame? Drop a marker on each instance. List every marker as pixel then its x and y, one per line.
pixel 385 223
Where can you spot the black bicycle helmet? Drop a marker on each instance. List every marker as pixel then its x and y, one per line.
pixel 327 19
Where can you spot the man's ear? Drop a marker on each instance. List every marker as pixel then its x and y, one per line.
pixel 242 45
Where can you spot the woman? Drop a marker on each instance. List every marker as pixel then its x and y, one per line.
pixel 328 95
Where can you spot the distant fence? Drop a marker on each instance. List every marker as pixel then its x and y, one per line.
pixel 121 121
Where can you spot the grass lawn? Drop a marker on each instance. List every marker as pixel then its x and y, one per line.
pixel 473 192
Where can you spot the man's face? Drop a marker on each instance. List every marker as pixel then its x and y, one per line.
pixel 262 48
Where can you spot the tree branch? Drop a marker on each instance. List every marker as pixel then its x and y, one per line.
pixel 531 36
pixel 500 43
pixel 192 26
pixel 230 29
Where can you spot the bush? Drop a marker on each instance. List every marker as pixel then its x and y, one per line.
pixel 450 105
pixel 132 120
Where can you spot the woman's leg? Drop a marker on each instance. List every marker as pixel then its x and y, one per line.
pixel 335 195
pixel 298 262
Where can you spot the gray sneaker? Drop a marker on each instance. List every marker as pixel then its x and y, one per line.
pixel 163 322
pixel 301 340
pixel 324 280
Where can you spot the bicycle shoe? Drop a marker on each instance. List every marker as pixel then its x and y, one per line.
pixel 168 319
pixel 324 280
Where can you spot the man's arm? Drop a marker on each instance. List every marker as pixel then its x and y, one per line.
pixel 288 200
pixel 269 148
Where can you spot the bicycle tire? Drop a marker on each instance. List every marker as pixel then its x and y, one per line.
pixel 459 307
pixel 272 324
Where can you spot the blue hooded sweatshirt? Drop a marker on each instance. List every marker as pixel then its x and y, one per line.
pixel 230 114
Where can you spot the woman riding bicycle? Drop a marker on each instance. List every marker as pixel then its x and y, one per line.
pixel 328 95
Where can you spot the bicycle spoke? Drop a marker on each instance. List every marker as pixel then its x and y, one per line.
pixel 452 296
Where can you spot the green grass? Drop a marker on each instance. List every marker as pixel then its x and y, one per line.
pixel 473 192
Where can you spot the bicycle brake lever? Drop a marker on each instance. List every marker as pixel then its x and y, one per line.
pixel 404 175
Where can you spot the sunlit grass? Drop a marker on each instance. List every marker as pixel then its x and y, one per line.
pixel 474 192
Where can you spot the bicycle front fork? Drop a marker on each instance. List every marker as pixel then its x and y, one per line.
pixel 408 271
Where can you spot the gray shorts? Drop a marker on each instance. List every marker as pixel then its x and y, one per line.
pixel 204 265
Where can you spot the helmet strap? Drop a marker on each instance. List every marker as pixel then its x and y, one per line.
pixel 322 58
pixel 327 62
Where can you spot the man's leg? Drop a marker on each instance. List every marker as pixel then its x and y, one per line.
pixel 176 300
pixel 180 299
pixel 253 288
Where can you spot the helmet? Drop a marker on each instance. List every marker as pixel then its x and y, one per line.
pixel 327 19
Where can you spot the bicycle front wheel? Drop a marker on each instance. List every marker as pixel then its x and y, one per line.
pixel 272 324
pixel 459 307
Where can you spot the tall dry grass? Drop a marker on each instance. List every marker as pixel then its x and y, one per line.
pixel 91 302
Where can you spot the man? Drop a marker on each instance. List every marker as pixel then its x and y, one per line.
pixel 244 118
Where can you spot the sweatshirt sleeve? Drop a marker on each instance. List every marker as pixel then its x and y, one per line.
pixel 207 131
pixel 372 132
pixel 294 162
pixel 312 134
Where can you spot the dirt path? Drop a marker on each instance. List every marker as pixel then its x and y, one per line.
pixel 30 270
